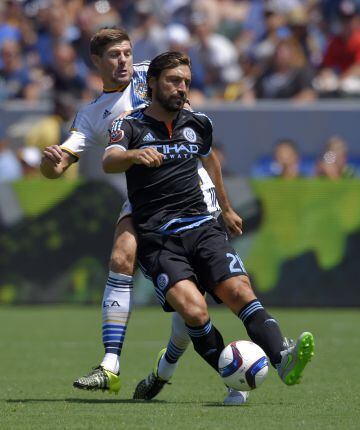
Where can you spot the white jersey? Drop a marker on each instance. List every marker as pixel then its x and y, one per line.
pixel 93 121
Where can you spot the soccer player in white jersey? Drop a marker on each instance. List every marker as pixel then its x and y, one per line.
pixel 125 89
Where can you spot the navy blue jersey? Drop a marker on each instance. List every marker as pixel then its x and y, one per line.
pixel 169 197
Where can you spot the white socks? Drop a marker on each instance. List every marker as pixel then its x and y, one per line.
pixel 178 342
pixel 116 310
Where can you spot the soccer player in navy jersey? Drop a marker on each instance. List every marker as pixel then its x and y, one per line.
pixel 124 89
pixel 181 247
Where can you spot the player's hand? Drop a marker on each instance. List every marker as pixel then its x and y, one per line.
pixel 233 222
pixel 53 154
pixel 149 157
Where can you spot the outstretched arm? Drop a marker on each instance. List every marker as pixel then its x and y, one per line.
pixel 231 218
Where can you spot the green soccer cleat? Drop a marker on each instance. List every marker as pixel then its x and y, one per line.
pixel 99 379
pixel 295 358
pixel 150 387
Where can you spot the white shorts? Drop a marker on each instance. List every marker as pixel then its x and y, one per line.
pixel 126 210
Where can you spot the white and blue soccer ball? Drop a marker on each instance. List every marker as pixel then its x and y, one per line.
pixel 243 365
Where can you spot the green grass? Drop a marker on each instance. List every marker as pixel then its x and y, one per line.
pixel 42 349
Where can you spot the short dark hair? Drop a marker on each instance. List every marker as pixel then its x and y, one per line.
pixel 167 60
pixel 104 36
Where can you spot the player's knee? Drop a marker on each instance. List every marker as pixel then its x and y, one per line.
pixel 122 262
pixel 196 314
pixel 236 293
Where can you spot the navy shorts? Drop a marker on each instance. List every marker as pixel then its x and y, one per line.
pixel 202 254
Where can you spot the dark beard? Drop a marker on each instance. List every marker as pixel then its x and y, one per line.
pixel 171 103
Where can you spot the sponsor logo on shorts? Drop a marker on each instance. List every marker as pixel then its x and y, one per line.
pixel 189 134
pixel 162 281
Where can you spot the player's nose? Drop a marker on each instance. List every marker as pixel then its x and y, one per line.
pixel 182 86
pixel 122 59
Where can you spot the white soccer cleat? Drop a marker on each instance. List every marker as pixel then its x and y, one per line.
pixel 235 398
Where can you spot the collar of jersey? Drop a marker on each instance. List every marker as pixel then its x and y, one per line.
pixel 158 121
pixel 116 90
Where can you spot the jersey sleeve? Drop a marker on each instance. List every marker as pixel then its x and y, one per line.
pixel 120 134
pixel 207 136
pixel 81 136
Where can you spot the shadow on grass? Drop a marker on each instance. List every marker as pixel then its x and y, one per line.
pixel 117 401
pixel 247 405
pixel 91 401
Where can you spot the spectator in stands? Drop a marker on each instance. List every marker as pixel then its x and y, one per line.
pixel 340 70
pixel 217 54
pixel 15 78
pixel 306 28
pixel 286 160
pixel 334 160
pixel 8 30
pixel 273 30
pixel 54 27
pixel 65 72
pixel 148 37
pixel 53 128
pixel 179 39
pixel 288 76
pixel 86 24
pixel 10 167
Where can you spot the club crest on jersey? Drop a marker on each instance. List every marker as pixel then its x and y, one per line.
pixel 140 89
pixel 162 281
pixel 189 134
pixel 116 134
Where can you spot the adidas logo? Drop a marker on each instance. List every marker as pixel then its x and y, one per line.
pixel 149 138
pixel 106 113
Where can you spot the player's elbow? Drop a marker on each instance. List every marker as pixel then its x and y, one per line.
pixel 110 166
pixel 114 162
pixel 107 165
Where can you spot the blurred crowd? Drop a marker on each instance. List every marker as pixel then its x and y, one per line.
pixel 240 49
pixel 287 162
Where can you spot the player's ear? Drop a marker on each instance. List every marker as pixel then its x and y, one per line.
pixel 151 82
pixel 96 60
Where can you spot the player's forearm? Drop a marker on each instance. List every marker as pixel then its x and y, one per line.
pixel 213 167
pixel 117 161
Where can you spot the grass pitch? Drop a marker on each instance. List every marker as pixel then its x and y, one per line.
pixel 43 349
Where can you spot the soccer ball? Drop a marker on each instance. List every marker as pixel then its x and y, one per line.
pixel 243 365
